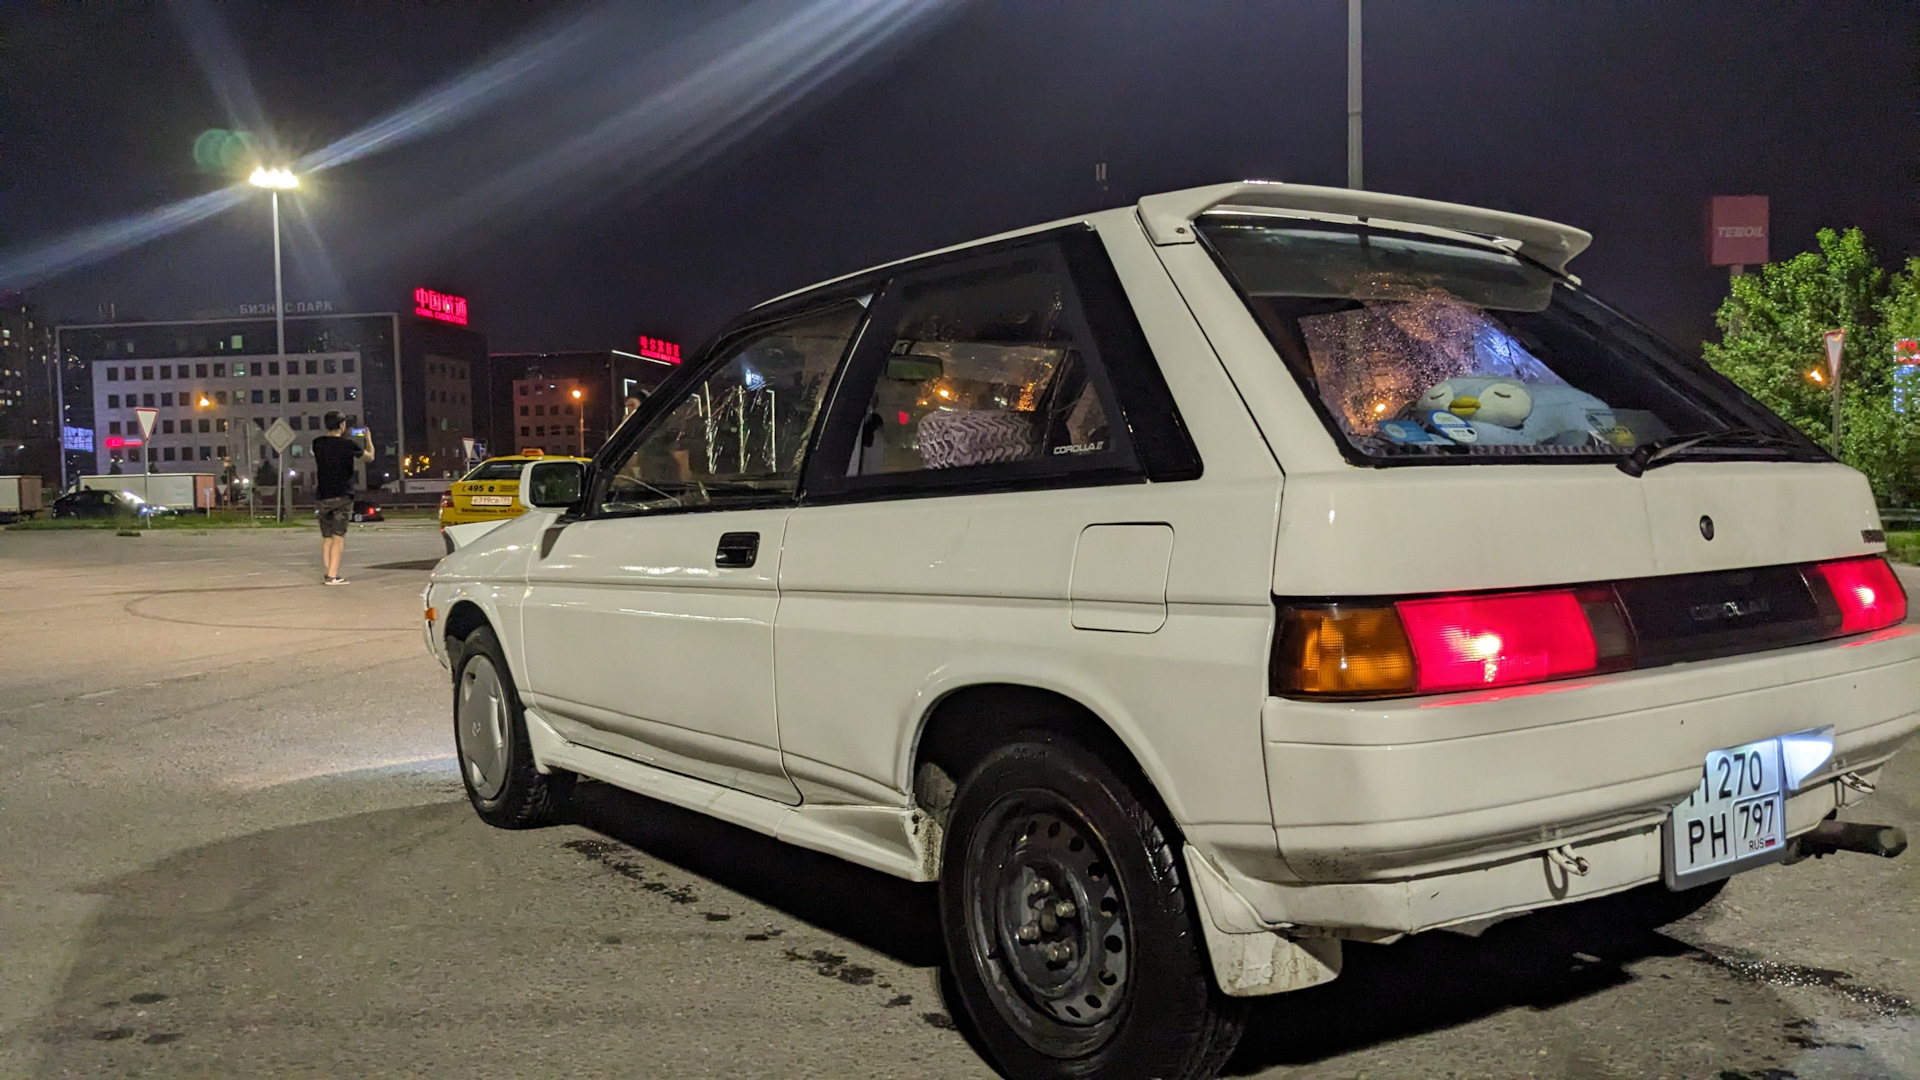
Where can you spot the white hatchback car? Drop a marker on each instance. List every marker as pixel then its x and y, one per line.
pixel 1193 586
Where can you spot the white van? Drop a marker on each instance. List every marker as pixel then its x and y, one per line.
pixel 1192 587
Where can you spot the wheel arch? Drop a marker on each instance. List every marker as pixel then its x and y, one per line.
pixel 967 722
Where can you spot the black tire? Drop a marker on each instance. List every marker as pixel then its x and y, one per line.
pixel 491 748
pixel 1037 819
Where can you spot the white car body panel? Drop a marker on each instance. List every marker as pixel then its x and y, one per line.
pixel 791 697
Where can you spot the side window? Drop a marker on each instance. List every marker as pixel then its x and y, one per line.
pixel 989 368
pixel 739 435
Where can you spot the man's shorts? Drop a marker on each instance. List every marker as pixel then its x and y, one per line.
pixel 334 514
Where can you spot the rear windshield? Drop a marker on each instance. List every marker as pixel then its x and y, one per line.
pixel 496 470
pixel 1415 349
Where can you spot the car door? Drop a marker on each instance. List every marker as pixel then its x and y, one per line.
pixel 648 623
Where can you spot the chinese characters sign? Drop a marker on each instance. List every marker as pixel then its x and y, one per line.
pixel 653 348
pixel 437 305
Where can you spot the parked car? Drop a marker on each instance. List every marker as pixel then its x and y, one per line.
pixel 366 510
pixel 1190 588
pixel 102 503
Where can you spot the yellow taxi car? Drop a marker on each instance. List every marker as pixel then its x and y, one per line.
pixel 488 492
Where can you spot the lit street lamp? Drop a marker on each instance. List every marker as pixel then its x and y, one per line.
pixel 276 181
pixel 580 418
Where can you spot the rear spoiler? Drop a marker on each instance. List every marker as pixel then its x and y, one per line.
pixel 1169 217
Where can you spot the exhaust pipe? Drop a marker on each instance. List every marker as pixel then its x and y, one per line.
pixel 1830 836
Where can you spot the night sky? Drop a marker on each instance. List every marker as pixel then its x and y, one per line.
pixel 959 120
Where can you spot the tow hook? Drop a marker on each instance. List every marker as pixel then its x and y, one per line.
pixel 1830 836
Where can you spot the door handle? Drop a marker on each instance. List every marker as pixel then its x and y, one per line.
pixel 737 549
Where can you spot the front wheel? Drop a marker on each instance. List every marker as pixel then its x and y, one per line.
pixel 1074 946
pixel 490 740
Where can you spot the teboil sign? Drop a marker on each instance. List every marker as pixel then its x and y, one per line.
pixel 1736 230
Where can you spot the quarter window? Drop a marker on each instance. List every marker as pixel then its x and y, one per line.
pixel 738 435
pixel 988 365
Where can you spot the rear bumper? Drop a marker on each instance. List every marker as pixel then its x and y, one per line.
pixel 1405 815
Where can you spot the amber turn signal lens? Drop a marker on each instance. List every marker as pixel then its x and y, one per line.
pixel 1341 650
pixel 430 614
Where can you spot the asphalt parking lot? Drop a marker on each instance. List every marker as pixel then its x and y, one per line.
pixel 232 843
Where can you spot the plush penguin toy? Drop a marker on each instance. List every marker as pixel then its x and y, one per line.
pixel 1502 411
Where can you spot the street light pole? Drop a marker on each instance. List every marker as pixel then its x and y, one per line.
pixel 279 350
pixel 276 181
pixel 580 417
pixel 1353 94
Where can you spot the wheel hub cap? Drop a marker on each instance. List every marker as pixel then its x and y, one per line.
pixel 480 718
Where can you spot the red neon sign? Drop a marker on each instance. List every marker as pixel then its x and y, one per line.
pixel 653 348
pixel 115 442
pixel 436 305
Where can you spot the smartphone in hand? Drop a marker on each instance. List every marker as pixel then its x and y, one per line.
pixel 358 433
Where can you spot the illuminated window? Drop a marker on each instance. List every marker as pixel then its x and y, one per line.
pixel 239 370
pixel 237 341
pixel 220 425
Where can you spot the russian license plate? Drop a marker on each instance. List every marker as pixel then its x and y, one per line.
pixel 1735 819
pixel 491 500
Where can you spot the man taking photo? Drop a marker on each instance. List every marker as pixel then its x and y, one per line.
pixel 333 458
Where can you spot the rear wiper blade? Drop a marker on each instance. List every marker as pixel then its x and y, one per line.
pixel 1665 451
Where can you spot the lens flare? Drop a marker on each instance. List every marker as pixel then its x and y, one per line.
pixel 600 103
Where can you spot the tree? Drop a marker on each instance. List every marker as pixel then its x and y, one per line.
pixel 1772 327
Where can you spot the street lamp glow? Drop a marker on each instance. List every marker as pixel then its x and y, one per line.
pixel 280 179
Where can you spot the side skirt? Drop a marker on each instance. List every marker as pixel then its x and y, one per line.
pixel 902 841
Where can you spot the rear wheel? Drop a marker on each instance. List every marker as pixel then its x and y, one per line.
pixel 1072 941
pixel 490 738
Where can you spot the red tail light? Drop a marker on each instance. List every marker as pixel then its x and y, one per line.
pixel 446 500
pixel 1866 591
pixel 1460 643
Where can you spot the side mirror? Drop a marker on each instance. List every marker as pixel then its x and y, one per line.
pixel 552 484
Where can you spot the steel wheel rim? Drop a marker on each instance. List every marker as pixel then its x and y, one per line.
pixel 1048 923
pixel 480 718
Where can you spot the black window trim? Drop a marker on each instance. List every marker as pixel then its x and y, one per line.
pixel 1157 445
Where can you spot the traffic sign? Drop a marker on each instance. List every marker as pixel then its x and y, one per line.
pixel 146 421
pixel 279 436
